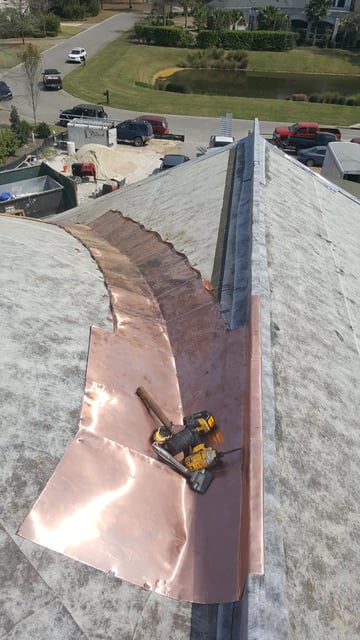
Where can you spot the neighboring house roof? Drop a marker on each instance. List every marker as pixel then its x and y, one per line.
pixel 300 234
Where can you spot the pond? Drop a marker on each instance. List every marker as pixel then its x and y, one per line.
pixel 249 84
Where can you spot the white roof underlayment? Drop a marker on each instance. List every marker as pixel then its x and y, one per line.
pixel 306 268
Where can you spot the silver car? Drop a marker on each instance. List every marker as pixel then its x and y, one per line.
pixel 313 157
pixel 78 54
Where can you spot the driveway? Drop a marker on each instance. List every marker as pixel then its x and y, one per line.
pixel 50 102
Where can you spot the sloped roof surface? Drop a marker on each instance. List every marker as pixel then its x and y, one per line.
pixel 306 269
pixel 312 232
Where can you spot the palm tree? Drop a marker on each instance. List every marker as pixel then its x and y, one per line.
pixel 273 19
pixel 236 18
pixel 316 11
pixel 186 5
pixel 350 31
pixel 199 13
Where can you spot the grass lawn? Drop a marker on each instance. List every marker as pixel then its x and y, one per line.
pixel 128 69
pixel 11 50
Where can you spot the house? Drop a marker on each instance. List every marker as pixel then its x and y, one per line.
pixel 296 10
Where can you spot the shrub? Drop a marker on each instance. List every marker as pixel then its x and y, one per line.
pixel 93 7
pixel 315 97
pixel 42 130
pixel 163 36
pixel 69 10
pixel 356 99
pixel 298 97
pixel 273 40
pixel 14 120
pixel 216 58
pixel 207 39
pixel 236 39
pixel 9 143
pixel 52 25
pixel 20 128
pixel 24 132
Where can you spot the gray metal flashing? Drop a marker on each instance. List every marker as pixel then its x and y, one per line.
pixel 270 594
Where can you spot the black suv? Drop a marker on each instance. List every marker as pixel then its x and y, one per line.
pixel 52 79
pixel 136 131
pixel 88 111
pixel 5 91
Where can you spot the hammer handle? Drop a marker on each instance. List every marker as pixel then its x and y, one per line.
pixel 150 403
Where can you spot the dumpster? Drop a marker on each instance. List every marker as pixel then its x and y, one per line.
pixel 40 196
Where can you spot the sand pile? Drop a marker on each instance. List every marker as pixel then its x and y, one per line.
pixel 108 162
pixel 133 163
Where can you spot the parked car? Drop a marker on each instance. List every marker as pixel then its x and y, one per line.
pixel 52 79
pixel 220 141
pixel 78 54
pixel 172 160
pixel 159 124
pixel 136 131
pixel 357 140
pixel 313 157
pixel 5 91
pixel 89 111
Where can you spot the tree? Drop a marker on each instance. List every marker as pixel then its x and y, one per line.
pixel 218 19
pixel 40 10
pixel 21 128
pixel 273 19
pixel 236 18
pixel 186 5
pixel 18 21
pixel 199 13
pixel 31 60
pixel 316 11
pixel 349 31
pixel 160 11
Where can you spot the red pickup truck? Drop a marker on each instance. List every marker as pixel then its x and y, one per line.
pixel 283 136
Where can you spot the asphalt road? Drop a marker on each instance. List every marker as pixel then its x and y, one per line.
pixel 197 131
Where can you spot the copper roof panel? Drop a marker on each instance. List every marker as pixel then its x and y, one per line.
pixel 148 526
pixel 117 365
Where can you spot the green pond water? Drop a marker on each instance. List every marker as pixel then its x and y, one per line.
pixel 256 85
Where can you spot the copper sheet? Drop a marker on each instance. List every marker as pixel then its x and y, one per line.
pixel 137 517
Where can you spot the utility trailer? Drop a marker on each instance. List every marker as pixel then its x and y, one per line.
pixel 97 131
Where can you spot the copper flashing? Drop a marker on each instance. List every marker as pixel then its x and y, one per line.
pixel 110 503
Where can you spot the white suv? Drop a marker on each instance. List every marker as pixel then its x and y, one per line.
pixel 78 54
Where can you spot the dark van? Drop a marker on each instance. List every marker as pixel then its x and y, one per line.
pixel 159 124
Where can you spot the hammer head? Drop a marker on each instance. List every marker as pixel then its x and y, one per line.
pixel 200 480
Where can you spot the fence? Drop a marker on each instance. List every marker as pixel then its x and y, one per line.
pixel 59 140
